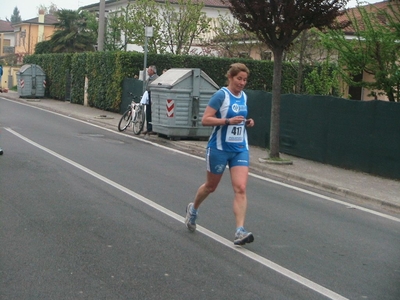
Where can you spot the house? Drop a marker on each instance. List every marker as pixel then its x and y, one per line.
pixel 6 54
pixel 6 38
pixel 30 32
pixel 212 9
pixel 259 51
pixel 359 93
pixel 241 44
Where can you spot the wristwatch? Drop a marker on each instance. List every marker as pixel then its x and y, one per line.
pixel 226 121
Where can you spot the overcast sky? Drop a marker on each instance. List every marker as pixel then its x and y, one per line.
pixel 29 8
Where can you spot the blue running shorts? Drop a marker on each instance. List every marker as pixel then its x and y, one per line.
pixel 217 160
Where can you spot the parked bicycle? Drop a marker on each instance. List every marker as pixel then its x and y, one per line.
pixel 134 115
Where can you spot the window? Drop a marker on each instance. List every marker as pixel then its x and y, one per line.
pixel 244 54
pixel 266 55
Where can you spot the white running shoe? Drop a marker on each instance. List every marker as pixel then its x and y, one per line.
pixel 190 220
pixel 242 237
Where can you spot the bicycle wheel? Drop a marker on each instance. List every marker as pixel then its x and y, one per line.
pixel 138 121
pixel 125 121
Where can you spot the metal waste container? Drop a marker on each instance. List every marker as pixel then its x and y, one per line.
pixel 31 81
pixel 178 100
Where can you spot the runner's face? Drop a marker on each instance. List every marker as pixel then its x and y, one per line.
pixel 238 82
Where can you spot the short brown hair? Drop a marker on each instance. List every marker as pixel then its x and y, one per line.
pixel 236 68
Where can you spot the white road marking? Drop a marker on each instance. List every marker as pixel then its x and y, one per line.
pixel 331 199
pixel 261 260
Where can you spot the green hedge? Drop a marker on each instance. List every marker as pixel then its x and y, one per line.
pixel 107 70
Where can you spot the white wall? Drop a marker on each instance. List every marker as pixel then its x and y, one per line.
pixel 211 12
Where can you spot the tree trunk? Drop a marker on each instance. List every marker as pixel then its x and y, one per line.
pixel 303 47
pixel 276 104
pixel 390 94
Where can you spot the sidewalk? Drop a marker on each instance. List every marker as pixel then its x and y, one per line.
pixel 356 187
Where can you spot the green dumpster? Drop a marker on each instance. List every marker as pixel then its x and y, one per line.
pixel 31 81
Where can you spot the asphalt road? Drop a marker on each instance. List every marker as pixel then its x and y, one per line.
pixel 89 213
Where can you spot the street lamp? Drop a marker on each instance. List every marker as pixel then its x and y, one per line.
pixel 148 33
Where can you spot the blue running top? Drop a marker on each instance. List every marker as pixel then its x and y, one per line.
pixel 230 138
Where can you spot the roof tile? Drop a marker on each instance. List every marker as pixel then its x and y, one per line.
pixel 5 26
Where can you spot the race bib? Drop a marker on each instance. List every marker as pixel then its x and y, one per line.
pixel 234 133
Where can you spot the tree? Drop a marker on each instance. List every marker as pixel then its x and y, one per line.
pixel 44 47
pixel 184 24
pixel 72 32
pixel 180 23
pixel 136 17
pixel 375 48
pixel 15 17
pixel 52 9
pixel 323 79
pixel 231 39
pixel 277 23
pixel 306 49
pixel 113 38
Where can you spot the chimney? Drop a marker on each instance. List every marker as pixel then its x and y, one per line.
pixel 41 26
pixel 41 16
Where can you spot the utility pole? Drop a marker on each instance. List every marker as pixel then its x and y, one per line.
pixel 100 37
pixel 148 33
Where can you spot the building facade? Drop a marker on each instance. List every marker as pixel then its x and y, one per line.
pixel 212 9
pixel 7 40
pixel 30 32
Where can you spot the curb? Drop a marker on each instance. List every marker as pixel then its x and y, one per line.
pixel 355 198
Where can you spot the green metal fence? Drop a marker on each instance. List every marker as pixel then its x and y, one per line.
pixel 358 135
